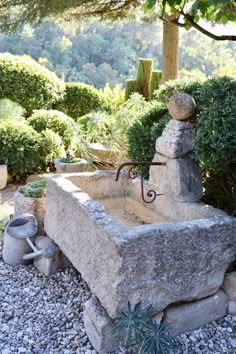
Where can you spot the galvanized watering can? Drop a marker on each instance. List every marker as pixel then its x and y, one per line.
pixel 19 233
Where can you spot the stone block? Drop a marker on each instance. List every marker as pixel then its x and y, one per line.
pixel 180 178
pixel 187 317
pixel 35 206
pixel 158 264
pixel 52 258
pixel 232 307
pixel 229 286
pixel 3 176
pixel 98 327
pixel 176 139
pixel 82 166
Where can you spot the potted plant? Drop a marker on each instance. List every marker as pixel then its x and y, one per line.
pixel 31 199
pixel 73 164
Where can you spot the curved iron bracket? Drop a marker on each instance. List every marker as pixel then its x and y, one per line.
pixel 132 174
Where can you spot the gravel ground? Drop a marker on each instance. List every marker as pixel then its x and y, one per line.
pixel 44 315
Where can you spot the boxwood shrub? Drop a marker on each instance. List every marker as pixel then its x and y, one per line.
pixel 56 121
pixel 26 82
pixel 21 148
pixel 81 99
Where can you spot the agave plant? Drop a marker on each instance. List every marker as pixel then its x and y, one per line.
pixel 157 339
pixel 136 330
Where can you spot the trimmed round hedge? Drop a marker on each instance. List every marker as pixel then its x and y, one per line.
pixel 29 84
pixel 56 121
pixel 81 99
pixel 21 149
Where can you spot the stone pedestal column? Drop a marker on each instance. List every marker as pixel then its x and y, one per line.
pixel 181 177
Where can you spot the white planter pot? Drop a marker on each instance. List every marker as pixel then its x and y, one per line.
pixel 82 166
pixel 3 176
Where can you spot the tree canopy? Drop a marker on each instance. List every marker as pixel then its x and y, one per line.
pixel 188 13
pixel 14 13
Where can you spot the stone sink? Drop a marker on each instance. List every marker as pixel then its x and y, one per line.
pixel 127 250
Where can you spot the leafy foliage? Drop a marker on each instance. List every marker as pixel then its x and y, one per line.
pixel 135 329
pixel 34 189
pixel 27 83
pixel 52 147
pixel 81 99
pixel 10 110
pixel 215 138
pixel 57 121
pixel 188 13
pixel 20 147
pixel 143 133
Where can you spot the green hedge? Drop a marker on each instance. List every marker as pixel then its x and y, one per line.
pixel 57 121
pixel 29 84
pixel 81 99
pixel 143 133
pixel 21 149
pixel 215 135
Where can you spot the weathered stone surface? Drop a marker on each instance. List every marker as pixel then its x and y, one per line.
pixel 3 176
pixel 98 327
pixel 231 307
pixel 46 245
pixel 101 153
pixel 229 285
pixel 52 258
pixel 35 206
pixel 156 264
pixel 158 317
pixel 186 317
pixel 180 178
pixel 181 106
pixel 82 166
pixel 176 139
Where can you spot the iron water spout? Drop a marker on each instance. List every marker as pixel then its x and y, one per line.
pixel 133 174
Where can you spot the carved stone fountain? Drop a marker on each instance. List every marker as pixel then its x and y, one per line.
pixel 171 254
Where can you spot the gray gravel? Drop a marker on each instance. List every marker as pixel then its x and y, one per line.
pixel 44 315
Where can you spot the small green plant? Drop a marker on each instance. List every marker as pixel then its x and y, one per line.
pixel 34 189
pixel 135 329
pixel 70 160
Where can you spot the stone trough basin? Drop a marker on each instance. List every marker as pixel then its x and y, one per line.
pixel 159 253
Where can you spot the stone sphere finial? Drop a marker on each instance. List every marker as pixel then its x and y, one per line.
pixel 181 106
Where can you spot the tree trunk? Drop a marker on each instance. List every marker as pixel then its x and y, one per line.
pixel 170 52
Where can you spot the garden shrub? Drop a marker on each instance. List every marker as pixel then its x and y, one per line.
pixel 28 83
pixel 10 110
pixel 21 148
pixel 52 147
pixel 215 135
pixel 143 133
pixel 57 121
pixel 192 87
pixel 34 189
pixel 81 99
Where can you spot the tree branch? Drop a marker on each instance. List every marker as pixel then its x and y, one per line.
pixel 195 25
